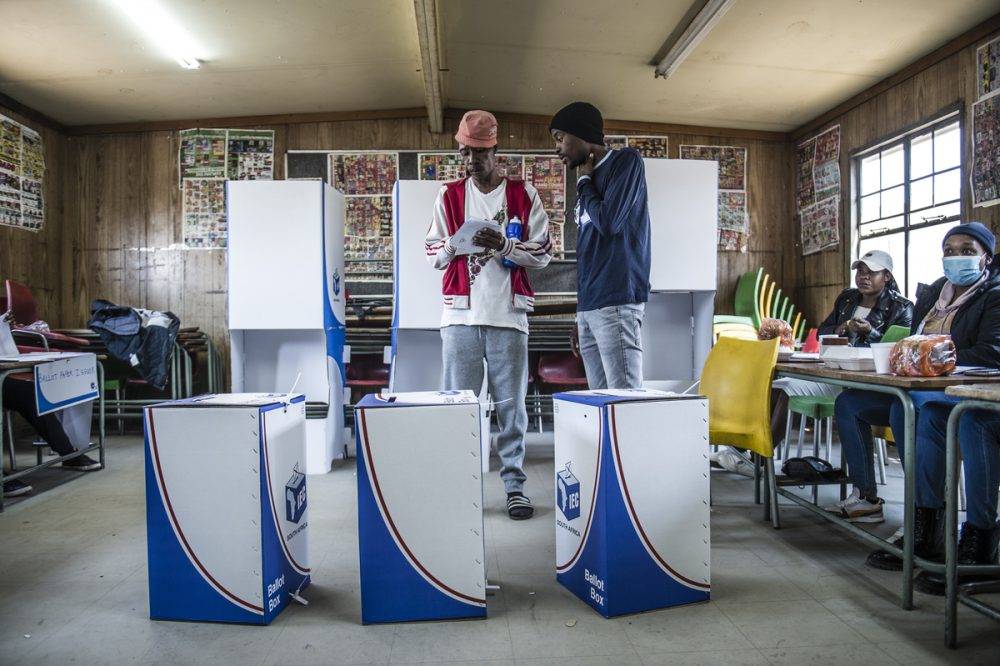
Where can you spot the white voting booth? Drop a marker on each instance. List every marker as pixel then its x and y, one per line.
pixel 226 507
pixel 632 499
pixel 420 507
pixel 286 301
pixel 677 331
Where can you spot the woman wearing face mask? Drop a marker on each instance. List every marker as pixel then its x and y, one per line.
pixel 964 304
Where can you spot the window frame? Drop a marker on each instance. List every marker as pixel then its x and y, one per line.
pixel 904 137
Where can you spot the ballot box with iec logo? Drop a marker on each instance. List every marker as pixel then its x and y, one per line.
pixel 632 490
pixel 226 507
pixel 420 507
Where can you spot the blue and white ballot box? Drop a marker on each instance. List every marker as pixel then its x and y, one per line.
pixel 420 507
pixel 632 511
pixel 226 506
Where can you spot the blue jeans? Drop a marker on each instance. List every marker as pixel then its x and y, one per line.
pixel 611 345
pixel 979 441
pixel 856 412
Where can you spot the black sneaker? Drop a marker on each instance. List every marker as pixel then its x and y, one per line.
pixel 82 464
pixel 977 546
pixel 928 541
pixel 519 507
pixel 15 488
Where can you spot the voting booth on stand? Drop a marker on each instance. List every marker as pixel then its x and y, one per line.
pixel 632 499
pixel 286 301
pixel 226 507
pixel 683 215
pixel 420 507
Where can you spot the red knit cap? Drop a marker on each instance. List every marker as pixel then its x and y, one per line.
pixel 478 129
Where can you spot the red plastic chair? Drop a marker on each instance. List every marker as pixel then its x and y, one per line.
pixel 22 310
pixel 563 369
pixel 367 374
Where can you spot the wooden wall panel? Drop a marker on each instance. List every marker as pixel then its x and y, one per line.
pixel 32 257
pixel 123 228
pixel 822 276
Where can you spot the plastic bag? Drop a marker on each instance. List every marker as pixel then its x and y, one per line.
pixel 923 356
pixel 776 328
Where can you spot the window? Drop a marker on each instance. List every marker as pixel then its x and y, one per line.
pixel 907 194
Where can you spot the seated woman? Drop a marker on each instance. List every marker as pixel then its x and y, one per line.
pixel 965 304
pixel 862 314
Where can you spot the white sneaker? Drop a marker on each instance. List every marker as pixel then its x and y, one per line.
pixel 854 509
pixel 731 461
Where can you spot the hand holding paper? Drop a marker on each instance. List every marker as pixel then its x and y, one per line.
pixel 462 239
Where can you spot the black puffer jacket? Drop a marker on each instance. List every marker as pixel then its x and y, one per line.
pixel 891 309
pixel 975 329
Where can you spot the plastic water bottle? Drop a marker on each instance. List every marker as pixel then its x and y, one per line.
pixel 513 231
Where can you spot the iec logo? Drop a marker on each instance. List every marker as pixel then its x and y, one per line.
pixel 568 493
pixel 295 496
pixel 336 282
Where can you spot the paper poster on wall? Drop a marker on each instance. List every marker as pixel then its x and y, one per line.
pixel 820 225
pixel 650 146
pixel 440 166
pixel 734 218
pixel 366 178
pixel 250 155
pixel 985 177
pixel 22 174
pixel 203 213
pixel 510 166
pixel 615 141
pixel 817 190
pixel 202 153
pixel 547 174
pixel 988 69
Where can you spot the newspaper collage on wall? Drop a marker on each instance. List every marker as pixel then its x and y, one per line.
pixel 207 158
pixel 366 179
pixel 817 190
pixel 985 177
pixel 648 146
pixel 734 218
pixel 22 176
pixel 545 172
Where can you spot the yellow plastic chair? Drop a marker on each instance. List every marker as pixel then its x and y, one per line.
pixel 737 380
pixel 734 330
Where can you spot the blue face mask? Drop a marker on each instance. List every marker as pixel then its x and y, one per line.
pixel 962 271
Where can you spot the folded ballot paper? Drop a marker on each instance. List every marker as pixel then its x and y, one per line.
pixel 462 239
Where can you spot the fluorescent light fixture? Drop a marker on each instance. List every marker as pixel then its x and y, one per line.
pixel 162 29
pixel 697 30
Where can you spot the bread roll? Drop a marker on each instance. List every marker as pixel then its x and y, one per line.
pixel 923 356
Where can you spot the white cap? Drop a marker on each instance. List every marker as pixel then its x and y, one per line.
pixel 876 260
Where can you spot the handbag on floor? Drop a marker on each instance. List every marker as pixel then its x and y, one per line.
pixel 809 469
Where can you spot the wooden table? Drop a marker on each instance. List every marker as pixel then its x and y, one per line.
pixel 980 397
pixel 898 387
pixel 8 368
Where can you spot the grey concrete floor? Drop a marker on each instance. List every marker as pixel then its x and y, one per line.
pixel 73 590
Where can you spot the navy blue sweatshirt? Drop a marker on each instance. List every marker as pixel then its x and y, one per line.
pixel 612 251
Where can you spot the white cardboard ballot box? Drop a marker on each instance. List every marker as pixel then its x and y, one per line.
pixel 226 507
pixel 420 499
pixel 632 512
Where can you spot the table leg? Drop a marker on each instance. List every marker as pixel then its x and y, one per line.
pixel 100 412
pixel 951 527
pixel 909 492
pixel 3 378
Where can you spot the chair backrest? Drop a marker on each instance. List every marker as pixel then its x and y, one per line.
pixel 734 330
pixel 737 380
pixel 732 319
pixel 758 297
pixel 896 333
pixel 21 304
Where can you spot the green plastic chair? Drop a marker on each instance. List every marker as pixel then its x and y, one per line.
pixel 896 333
pixel 732 319
pixel 819 408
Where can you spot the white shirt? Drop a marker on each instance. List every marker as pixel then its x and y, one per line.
pixel 491 301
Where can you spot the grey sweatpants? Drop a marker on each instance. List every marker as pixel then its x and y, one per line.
pixel 611 345
pixel 506 354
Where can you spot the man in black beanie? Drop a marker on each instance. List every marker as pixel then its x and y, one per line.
pixel 612 251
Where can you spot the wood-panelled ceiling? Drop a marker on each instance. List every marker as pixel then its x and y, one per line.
pixel 768 64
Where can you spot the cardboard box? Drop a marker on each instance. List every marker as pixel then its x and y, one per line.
pixel 632 499
pixel 226 507
pixel 420 507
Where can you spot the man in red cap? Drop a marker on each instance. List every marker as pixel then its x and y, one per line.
pixel 487 294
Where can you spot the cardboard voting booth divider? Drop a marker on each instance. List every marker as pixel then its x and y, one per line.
pixel 226 507
pixel 632 499
pixel 286 301
pixel 420 499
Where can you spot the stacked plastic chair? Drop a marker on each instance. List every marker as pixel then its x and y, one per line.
pixel 759 297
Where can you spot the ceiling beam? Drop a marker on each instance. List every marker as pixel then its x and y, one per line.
pixel 425 12
pixel 973 36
